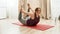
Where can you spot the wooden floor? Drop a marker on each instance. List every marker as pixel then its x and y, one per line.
pixel 6 27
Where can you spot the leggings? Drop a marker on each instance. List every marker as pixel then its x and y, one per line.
pixel 23 21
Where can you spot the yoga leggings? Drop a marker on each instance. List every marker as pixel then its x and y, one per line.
pixel 23 21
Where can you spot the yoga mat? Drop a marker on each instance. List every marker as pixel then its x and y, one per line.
pixel 37 27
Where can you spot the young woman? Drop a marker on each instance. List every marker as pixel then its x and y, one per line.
pixel 34 17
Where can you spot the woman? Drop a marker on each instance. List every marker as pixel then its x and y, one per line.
pixel 34 17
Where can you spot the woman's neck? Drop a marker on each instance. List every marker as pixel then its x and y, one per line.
pixel 37 15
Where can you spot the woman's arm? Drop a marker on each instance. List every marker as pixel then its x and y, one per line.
pixel 32 10
pixel 23 11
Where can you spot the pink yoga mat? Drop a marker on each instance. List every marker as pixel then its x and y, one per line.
pixel 37 27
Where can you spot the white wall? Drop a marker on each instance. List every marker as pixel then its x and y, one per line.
pixel 12 8
pixel 55 8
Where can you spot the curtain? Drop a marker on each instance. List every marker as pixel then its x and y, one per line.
pixel 46 10
pixel 3 10
pixel 43 4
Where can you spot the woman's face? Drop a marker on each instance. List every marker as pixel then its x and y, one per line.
pixel 38 12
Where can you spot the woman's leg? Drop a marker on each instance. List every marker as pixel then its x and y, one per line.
pixel 21 20
pixel 20 16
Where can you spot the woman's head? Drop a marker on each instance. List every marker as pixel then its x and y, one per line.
pixel 38 10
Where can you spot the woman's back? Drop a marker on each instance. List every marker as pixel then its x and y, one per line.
pixel 34 21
